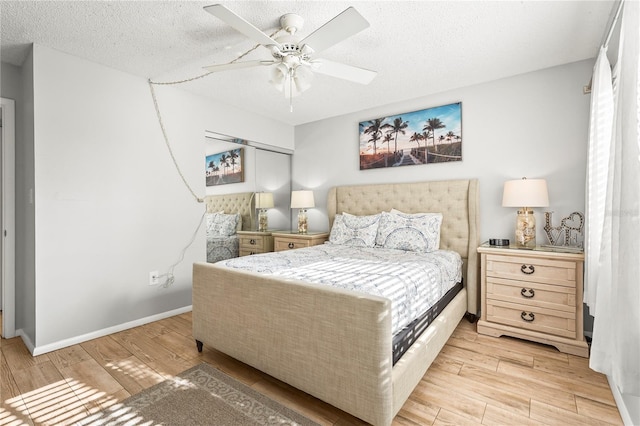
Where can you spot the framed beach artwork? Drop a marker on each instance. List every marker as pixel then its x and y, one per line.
pixel 432 135
pixel 225 167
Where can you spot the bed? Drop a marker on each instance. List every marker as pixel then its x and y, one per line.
pixel 336 344
pixel 227 214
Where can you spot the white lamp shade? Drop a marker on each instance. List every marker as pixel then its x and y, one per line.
pixel 264 200
pixel 525 193
pixel 302 199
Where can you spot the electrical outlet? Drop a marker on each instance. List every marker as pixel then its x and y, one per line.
pixel 154 278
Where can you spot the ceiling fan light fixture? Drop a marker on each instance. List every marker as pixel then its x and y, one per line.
pixel 279 74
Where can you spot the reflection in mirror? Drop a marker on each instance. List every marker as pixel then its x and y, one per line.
pixel 265 169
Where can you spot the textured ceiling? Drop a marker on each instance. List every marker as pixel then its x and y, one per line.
pixel 417 48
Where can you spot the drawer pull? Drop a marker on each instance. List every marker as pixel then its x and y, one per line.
pixel 252 252
pixel 527 292
pixel 527 269
pixel 252 242
pixel 527 316
pixel 291 245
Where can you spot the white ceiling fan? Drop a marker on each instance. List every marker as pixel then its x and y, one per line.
pixel 294 62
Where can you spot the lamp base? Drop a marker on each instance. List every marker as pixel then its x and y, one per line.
pixel 302 221
pixel 263 220
pixel 525 229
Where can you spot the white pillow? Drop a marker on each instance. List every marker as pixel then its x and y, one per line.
pixel 359 231
pixel 222 225
pixel 412 232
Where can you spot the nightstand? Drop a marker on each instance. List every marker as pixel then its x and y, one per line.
pixel 293 240
pixel 254 242
pixel 533 294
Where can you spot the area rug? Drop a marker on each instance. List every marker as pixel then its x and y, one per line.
pixel 201 395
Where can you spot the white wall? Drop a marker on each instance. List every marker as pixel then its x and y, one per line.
pixel 532 125
pixel 110 206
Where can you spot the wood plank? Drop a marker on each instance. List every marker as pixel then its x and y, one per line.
pixel 470 357
pixel 494 416
pixel 450 399
pixel 568 384
pixel 571 371
pixel 557 416
pixel 69 356
pixel 521 386
pixel 598 410
pixel 484 392
pixel 490 349
pixel 446 417
pixel 178 344
pixel 417 413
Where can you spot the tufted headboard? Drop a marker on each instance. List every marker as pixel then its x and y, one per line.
pixel 242 202
pixel 457 200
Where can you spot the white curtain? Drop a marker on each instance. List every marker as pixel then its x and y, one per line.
pixel 615 348
pixel 600 130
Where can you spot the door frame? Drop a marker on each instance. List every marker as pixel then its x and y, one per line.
pixel 8 217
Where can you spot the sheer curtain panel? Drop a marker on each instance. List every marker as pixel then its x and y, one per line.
pixel 600 128
pixel 616 334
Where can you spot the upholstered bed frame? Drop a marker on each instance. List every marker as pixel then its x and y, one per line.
pixel 241 202
pixel 331 343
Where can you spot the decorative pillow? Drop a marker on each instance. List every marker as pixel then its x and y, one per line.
pixel 353 230
pixel 222 225
pixel 412 232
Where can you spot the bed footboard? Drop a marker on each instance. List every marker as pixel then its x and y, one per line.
pixel 330 343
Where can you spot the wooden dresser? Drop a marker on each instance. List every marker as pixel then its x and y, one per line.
pixel 534 295
pixel 293 240
pixel 254 242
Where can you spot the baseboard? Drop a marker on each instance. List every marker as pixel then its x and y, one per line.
pixel 25 338
pixel 628 405
pixel 39 350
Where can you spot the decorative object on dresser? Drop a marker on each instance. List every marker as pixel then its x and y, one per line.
pixel 255 242
pixel 525 193
pixel 292 240
pixel 264 201
pixel 534 295
pixel 302 200
pixel 570 232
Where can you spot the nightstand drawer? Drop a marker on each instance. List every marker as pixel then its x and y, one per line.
pixel 542 320
pixel 252 242
pixel 289 240
pixel 532 294
pixel 281 243
pixel 540 270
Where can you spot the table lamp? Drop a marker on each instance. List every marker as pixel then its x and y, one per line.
pixel 302 200
pixel 525 193
pixel 264 201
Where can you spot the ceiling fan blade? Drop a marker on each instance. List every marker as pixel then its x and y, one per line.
pixel 240 24
pixel 343 71
pixel 343 26
pixel 237 65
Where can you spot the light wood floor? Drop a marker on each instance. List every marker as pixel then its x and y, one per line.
pixel 475 380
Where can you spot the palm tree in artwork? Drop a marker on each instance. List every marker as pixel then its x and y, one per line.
pixel 374 131
pixel 387 139
pixel 450 136
pixel 432 125
pixel 233 154
pixel 415 137
pixel 223 162
pixel 398 126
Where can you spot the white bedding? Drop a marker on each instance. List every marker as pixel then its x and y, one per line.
pixel 412 281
